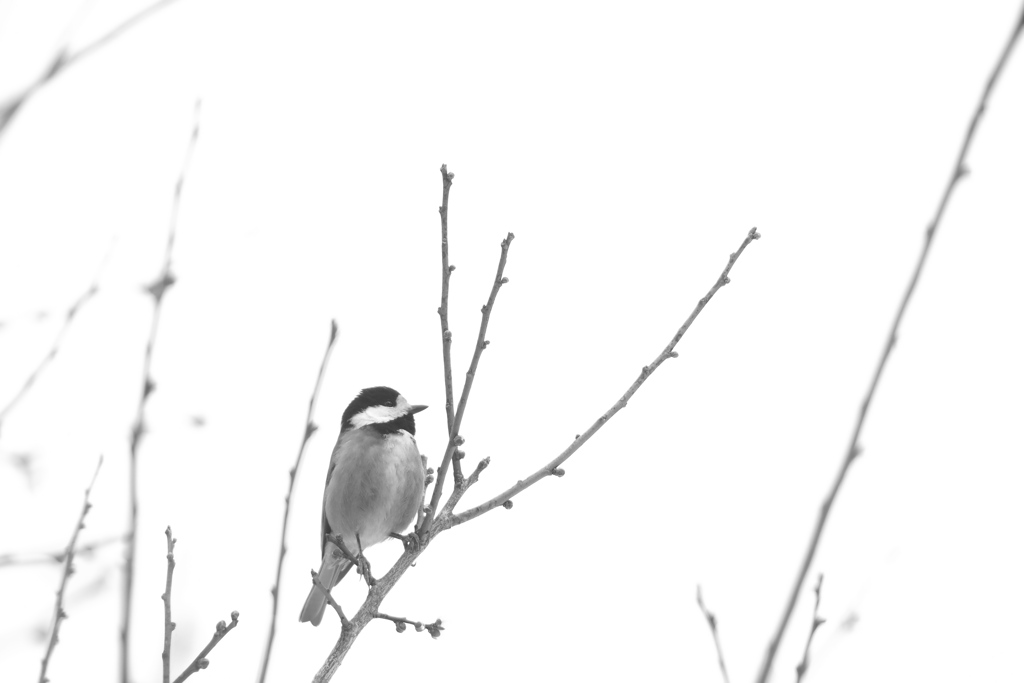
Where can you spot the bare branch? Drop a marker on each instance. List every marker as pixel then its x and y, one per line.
pixel 166 597
pixel 442 311
pixel 454 440
pixel 157 290
pixel 434 629
pixel 59 614
pixel 816 621
pixel 201 662
pixel 65 58
pixel 308 431
pixel 553 468
pixel 853 448
pixel 713 625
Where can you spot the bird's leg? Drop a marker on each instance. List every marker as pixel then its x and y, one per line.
pixel 363 565
pixel 342 549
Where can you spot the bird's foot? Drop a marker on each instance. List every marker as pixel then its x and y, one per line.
pixel 410 541
pixel 363 567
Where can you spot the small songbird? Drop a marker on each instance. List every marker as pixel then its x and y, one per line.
pixel 375 484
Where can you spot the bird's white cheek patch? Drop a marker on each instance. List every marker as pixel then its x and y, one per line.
pixel 378 415
pixel 381 414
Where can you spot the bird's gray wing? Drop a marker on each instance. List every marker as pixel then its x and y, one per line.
pixel 324 527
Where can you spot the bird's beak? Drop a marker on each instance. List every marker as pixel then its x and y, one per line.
pixel 416 409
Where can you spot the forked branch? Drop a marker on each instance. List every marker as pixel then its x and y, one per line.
pixel 816 622
pixel 454 440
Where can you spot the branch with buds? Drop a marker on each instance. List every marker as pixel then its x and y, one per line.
pixel 201 662
pixel 434 629
pixel 222 629
pixel 439 518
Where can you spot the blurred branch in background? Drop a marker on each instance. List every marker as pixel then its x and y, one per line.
pixel 58 557
pixel 816 622
pixel 157 289
pixel 854 448
pixel 65 57
pixel 713 626
pixel 308 430
pixel 59 614
pixel 69 317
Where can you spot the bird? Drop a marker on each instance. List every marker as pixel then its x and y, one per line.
pixel 375 485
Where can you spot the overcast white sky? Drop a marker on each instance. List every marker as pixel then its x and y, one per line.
pixel 630 147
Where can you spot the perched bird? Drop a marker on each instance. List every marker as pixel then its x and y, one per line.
pixel 374 484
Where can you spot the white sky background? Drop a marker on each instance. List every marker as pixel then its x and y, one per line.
pixel 630 149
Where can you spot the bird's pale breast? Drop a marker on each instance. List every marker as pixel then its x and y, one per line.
pixel 376 486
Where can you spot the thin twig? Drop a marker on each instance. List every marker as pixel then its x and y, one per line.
pixel 816 621
pixel 65 58
pixel 308 431
pixel 157 290
pixel 553 468
pixel 454 440
pixel 201 662
pixel 327 594
pixel 461 488
pixel 854 447
pixel 713 625
pixel 434 629
pixel 69 317
pixel 59 614
pixel 58 557
pixel 442 311
pixel 166 597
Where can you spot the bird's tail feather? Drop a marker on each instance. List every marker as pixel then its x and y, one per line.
pixel 331 570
